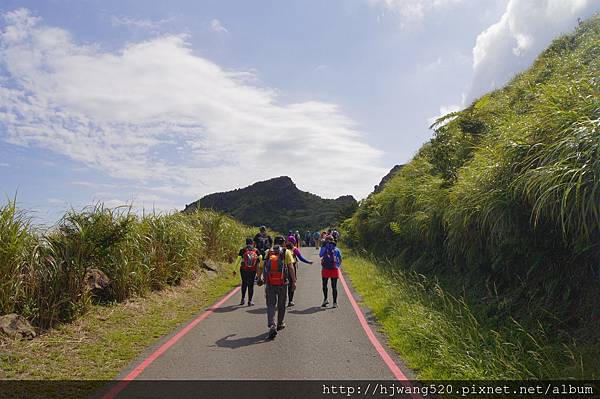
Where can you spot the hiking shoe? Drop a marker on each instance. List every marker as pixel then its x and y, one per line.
pixel 291 304
pixel 281 326
pixel 250 303
pixel 334 305
pixel 272 332
pixel 243 301
pixel 325 303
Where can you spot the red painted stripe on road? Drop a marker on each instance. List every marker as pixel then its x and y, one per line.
pixel 374 341
pixel 148 361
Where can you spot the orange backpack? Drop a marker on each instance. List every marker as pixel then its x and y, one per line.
pixel 275 267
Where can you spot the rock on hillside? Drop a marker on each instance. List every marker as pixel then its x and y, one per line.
pixel 387 177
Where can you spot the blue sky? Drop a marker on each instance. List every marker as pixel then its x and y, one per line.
pixel 159 103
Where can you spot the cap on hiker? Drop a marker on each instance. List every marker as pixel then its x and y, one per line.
pixel 292 239
pixel 262 228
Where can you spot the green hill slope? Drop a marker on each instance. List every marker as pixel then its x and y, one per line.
pixel 503 204
pixel 280 205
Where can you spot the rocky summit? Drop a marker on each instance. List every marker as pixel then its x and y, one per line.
pixel 280 205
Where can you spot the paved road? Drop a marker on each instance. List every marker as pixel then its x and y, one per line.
pixel 318 343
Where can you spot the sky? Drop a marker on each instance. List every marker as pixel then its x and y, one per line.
pixel 157 104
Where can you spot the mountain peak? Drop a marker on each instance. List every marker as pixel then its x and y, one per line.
pixel 279 204
pixel 284 181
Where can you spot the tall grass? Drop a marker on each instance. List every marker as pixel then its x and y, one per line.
pixel 442 337
pixel 42 275
pixel 16 246
pixel 503 204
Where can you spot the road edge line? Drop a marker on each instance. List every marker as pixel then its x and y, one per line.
pixel 374 341
pixel 164 347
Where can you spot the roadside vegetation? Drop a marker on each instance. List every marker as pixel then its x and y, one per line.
pixel 501 210
pixel 439 336
pixel 42 274
pixel 102 342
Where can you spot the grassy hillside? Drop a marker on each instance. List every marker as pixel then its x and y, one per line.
pixel 503 204
pixel 280 205
pixel 42 275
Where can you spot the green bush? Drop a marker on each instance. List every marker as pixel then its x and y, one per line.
pixel 42 275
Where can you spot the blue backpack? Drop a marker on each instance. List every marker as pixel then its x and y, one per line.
pixel 328 260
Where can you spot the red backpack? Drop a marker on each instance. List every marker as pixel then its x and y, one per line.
pixel 249 259
pixel 275 267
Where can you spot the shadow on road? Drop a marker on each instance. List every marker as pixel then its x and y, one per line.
pixel 228 342
pixel 314 309
pixel 257 311
pixel 226 309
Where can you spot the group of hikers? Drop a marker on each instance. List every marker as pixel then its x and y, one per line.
pixel 316 239
pixel 274 264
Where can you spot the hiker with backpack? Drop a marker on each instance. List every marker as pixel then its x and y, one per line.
pixel 263 241
pixel 331 260
pixel 291 245
pixel 316 237
pixel 336 235
pixel 298 238
pixel 277 273
pixel 250 259
pixel 307 238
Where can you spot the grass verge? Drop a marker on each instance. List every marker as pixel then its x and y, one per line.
pixel 439 337
pixel 102 342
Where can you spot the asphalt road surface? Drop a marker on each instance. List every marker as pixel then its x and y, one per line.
pixel 231 343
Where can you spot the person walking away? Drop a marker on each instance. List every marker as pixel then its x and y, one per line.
pixel 331 260
pixel 263 241
pixel 277 273
pixel 298 238
pixel 297 257
pixel 316 237
pixel 307 237
pixel 250 260
pixel 291 238
pixel 336 235
pixel 322 239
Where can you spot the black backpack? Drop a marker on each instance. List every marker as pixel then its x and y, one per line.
pixel 262 242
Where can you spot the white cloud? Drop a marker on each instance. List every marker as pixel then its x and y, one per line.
pixel 217 26
pixel 444 110
pixel 524 30
pixel 414 10
pixel 432 66
pixel 138 23
pixel 137 202
pixel 56 201
pixel 171 122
